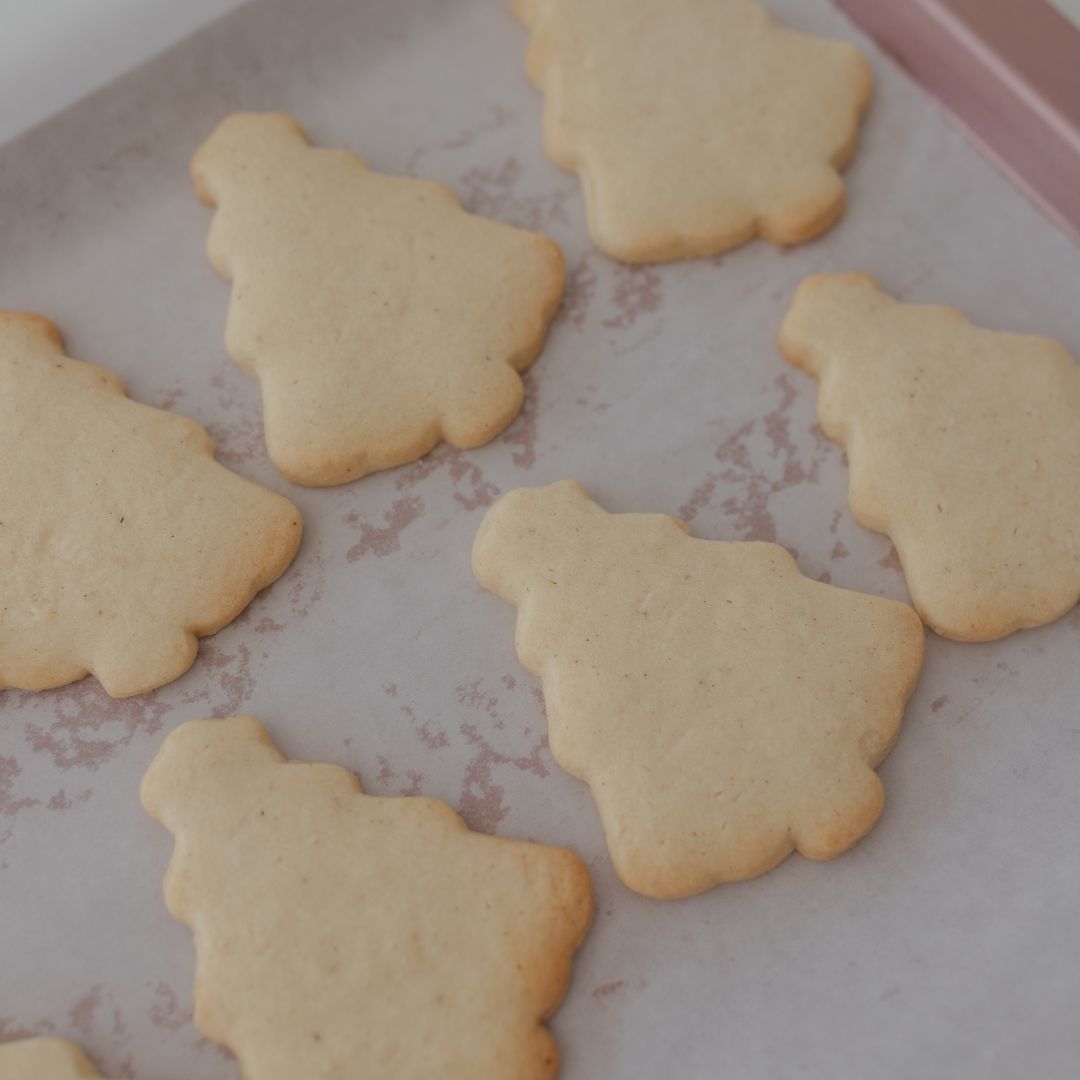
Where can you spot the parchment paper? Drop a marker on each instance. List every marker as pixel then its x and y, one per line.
pixel 944 945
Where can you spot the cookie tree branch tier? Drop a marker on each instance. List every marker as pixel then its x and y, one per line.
pixel 694 124
pixel 378 316
pixel 122 540
pixel 964 446
pixel 337 933
pixel 723 709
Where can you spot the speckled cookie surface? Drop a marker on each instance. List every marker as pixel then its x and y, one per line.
pixel 122 540
pixel 45 1059
pixel 723 709
pixel 339 934
pixel 964 446
pixel 378 316
pixel 694 124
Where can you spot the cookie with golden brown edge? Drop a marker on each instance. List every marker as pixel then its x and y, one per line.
pixel 45 1059
pixel 122 540
pixel 964 445
pixel 340 934
pixel 694 125
pixel 724 709
pixel 378 316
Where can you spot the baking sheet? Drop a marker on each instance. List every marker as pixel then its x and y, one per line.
pixel 944 945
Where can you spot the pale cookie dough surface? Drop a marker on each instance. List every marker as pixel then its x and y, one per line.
pixel 342 935
pixel 723 709
pixel 378 316
pixel 122 540
pixel 45 1059
pixel 964 446
pixel 694 124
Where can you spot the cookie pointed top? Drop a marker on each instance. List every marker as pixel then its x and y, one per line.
pixel 241 144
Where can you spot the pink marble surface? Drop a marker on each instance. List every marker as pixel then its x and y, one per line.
pixel 945 944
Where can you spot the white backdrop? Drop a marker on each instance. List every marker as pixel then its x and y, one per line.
pixel 53 52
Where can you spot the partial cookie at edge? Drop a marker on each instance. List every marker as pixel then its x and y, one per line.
pixel 313 904
pixel 126 540
pixel 685 149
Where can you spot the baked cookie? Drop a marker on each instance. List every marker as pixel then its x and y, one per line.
pixel 339 934
pixel 378 316
pixel 45 1059
pixel 694 124
pixel 122 540
pixel 723 709
pixel 964 446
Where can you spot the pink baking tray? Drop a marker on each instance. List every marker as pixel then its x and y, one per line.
pixel 1008 71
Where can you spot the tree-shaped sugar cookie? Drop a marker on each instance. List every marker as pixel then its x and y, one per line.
pixel 342 935
pixel 122 540
pixel 723 709
pixel 45 1059
pixel 694 124
pixel 964 446
pixel 378 316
